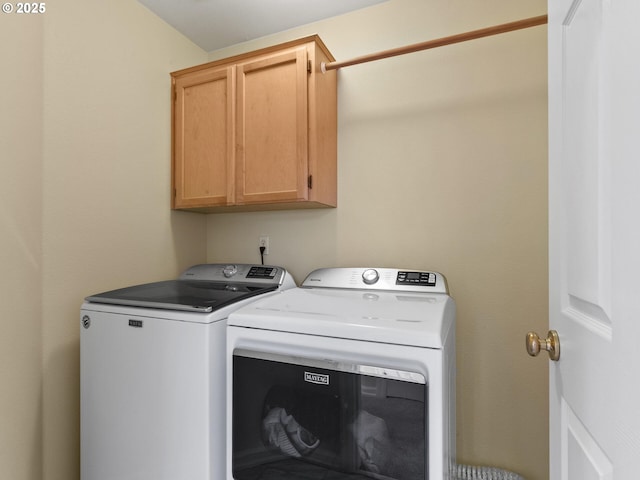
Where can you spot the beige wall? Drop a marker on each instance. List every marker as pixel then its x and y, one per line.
pixel 442 165
pixel 85 155
pixel 20 247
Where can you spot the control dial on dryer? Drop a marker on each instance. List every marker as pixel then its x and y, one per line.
pixel 370 276
pixel 230 271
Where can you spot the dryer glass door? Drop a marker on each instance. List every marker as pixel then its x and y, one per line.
pixel 303 418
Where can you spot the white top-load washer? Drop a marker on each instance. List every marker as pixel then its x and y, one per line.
pixel 350 376
pixel 152 363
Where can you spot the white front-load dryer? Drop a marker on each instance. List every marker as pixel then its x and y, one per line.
pixel 152 368
pixel 350 376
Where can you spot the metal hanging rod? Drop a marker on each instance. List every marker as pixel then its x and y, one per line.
pixel 440 42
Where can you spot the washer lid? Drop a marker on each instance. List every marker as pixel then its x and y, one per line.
pixel 401 318
pixel 202 288
pixel 196 296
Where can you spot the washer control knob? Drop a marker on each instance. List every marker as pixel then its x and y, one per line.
pixel 230 271
pixel 370 276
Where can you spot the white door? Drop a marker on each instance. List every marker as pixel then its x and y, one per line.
pixel 594 249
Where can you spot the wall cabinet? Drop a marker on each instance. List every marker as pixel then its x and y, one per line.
pixel 257 131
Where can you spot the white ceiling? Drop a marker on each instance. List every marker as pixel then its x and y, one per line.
pixel 214 24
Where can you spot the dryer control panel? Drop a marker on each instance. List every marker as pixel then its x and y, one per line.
pixel 427 279
pixel 392 279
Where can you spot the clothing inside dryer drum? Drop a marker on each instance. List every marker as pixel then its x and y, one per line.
pixel 299 422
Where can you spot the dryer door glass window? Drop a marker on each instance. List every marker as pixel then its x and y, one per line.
pixel 324 420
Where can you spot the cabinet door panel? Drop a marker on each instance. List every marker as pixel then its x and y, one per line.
pixel 204 139
pixel 272 129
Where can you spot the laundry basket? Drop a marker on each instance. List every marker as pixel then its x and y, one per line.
pixel 470 472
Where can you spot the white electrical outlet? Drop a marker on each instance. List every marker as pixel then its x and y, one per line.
pixel 263 241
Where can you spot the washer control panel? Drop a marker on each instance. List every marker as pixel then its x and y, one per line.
pixel 262 272
pixel 241 273
pixel 377 279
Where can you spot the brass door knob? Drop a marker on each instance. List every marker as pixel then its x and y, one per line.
pixel 551 344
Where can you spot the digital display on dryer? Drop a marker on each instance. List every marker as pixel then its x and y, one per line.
pixel 425 279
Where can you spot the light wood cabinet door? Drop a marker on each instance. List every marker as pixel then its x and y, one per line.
pixel 272 129
pixel 257 131
pixel 204 164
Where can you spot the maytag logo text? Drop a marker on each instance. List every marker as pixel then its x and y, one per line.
pixel 318 378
